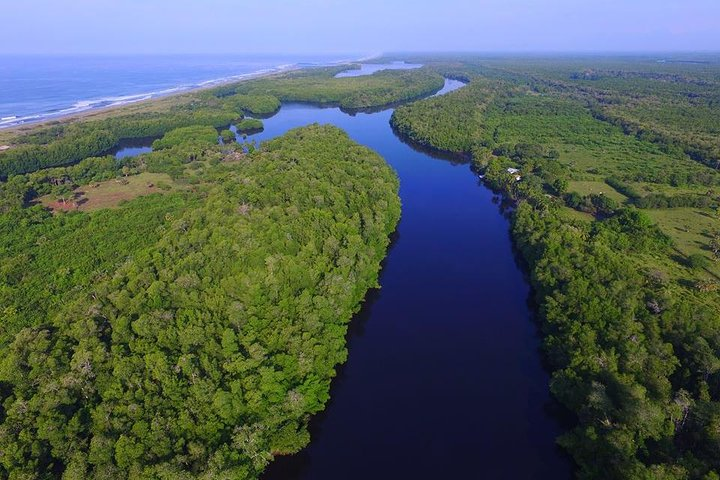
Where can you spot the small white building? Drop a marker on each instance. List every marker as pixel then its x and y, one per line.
pixel 514 172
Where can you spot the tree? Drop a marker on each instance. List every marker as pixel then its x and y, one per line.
pixel 715 245
pixel 63 192
pixel 560 186
pixel 697 261
pixel 227 136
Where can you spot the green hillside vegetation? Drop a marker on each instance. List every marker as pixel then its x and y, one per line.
pixel 628 298
pixel 188 333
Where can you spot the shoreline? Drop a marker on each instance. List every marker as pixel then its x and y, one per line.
pixel 147 97
pixel 85 106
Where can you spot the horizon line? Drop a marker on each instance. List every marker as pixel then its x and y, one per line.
pixel 389 52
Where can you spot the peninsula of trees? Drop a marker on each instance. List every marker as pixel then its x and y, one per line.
pixel 193 331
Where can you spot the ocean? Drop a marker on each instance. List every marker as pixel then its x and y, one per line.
pixel 38 87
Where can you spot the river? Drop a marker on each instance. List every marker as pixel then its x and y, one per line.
pixel 444 376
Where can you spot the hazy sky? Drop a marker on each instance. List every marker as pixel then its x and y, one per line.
pixel 356 26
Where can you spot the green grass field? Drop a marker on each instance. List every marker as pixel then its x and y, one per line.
pixel 574 215
pixel 649 188
pixel 690 229
pixel 590 187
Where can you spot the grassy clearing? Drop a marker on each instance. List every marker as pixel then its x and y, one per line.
pixel 590 187
pixel 574 215
pixel 615 154
pixel 111 193
pixel 690 229
pixel 649 188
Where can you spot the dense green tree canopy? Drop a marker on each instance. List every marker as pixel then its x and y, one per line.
pixel 258 105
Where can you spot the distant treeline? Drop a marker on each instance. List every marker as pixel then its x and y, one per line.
pixel 319 86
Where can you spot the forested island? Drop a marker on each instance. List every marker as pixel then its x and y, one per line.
pixel 189 326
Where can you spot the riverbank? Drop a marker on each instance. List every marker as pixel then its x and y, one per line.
pixel 206 312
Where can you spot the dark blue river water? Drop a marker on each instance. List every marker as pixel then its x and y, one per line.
pixel 444 376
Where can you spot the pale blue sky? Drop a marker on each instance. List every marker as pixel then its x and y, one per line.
pixel 367 26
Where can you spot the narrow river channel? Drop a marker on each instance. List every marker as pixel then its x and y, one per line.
pixel 444 376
